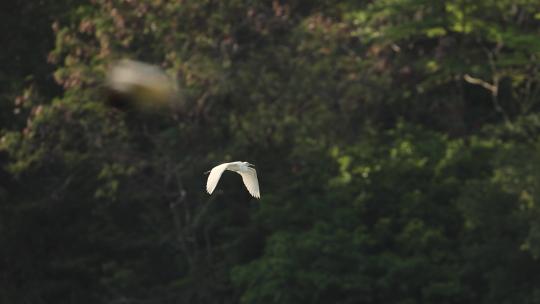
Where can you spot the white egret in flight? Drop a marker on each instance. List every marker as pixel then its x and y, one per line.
pixel 245 169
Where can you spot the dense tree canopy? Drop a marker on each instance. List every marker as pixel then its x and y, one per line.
pixel 397 144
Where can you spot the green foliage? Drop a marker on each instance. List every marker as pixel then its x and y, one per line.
pixel 396 141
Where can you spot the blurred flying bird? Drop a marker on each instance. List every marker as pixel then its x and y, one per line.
pixel 245 169
pixel 134 83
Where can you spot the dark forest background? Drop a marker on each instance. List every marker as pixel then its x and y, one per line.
pixel 397 144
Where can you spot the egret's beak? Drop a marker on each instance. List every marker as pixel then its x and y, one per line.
pixel 207 172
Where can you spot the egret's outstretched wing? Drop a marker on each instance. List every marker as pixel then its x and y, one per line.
pixel 214 177
pixel 252 183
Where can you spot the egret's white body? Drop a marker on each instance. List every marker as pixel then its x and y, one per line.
pixel 245 169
